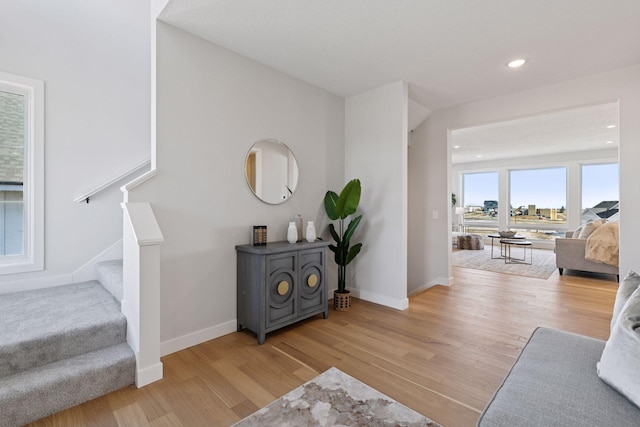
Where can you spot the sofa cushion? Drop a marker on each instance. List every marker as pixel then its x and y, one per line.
pixel 554 383
pixel 625 290
pixel 588 228
pixel 620 363
pixel 576 233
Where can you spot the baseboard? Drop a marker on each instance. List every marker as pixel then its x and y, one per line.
pixel 440 281
pixel 40 282
pixel 88 270
pixel 198 337
pixel 149 375
pixel 397 303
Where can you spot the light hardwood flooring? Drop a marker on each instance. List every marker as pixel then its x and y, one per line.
pixel 443 357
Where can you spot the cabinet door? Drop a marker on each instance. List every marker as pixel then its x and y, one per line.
pixel 281 288
pixel 311 287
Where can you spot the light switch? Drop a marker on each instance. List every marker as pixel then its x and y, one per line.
pixel 435 214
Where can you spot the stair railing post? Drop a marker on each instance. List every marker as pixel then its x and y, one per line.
pixel 141 289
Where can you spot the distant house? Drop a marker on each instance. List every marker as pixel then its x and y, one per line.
pixel 490 205
pixel 608 210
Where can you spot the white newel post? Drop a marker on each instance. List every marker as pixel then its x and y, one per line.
pixel 141 288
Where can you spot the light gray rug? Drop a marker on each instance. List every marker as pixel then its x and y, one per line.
pixel 544 262
pixel 333 398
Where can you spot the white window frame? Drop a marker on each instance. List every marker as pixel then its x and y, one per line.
pixel 33 257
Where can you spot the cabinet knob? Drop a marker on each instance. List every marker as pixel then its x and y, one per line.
pixel 283 287
pixel 312 280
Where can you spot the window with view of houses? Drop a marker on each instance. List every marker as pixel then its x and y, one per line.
pixel 600 192
pixel 12 134
pixel 21 174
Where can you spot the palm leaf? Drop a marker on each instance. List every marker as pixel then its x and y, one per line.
pixel 350 230
pixel 330 202
pixel 349 199
pixel 355 250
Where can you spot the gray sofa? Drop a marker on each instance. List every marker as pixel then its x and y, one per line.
pixel 570 255
pixel 554 383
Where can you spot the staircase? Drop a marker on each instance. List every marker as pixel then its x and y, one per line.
pixel 62 346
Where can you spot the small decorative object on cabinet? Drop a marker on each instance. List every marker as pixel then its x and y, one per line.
pixel 280 284
pixel 311 232
pixel 259 235
pixel 292 232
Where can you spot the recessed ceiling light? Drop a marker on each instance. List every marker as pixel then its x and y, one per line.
pixel 456 146
pixel 516 63
pixel 611 126
pixel 609 142
pixel 479 155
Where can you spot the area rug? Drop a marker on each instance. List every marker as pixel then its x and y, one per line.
pixel 333 398
pixel 544 262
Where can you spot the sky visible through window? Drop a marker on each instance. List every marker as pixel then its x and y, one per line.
pixel 546 188
pixel 600 183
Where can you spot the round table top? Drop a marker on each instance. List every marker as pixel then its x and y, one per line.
pixel 516 242
pixel 497 236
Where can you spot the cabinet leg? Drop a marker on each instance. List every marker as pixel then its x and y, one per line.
pixel 325 314
pixel 240 328
pixel 261 338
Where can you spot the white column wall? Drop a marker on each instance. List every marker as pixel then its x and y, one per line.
pixel 212 106
pixel 376 152
pixel 431 138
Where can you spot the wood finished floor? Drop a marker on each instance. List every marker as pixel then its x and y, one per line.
pixel 443 357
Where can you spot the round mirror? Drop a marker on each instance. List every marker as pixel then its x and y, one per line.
pixel 271 171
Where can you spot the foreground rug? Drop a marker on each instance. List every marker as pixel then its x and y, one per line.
pixel 334 398
pixel 544 262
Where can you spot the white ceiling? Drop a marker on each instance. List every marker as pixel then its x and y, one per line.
pixel 566 131
pixel 450 51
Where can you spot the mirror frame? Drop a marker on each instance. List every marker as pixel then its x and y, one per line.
pixel 247 161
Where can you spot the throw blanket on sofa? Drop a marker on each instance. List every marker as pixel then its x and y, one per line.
pixel 602 245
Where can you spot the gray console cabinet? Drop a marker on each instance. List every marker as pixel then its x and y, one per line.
pixel 280 284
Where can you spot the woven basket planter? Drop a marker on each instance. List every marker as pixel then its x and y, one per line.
pixel 341 302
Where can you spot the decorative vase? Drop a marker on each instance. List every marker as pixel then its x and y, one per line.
pixel 299 222
pixel 292 232
pixel 342 301
pixel 311 232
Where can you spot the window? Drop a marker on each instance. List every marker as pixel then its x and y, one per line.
pixel 538 198
pixel 600 192
pixel 480 196
pixel 21 174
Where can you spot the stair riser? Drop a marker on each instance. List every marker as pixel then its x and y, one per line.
pixel 28 355
pixel 29 396
pixel 110 276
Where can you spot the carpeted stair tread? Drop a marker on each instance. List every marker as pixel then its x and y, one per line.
pixel 42 326
pixel 38 392
pixel 110 275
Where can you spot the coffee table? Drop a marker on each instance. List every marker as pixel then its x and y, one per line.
pixel 503 248
pixel 508 243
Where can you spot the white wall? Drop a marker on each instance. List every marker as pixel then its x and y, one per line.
pixel 94 59
pixel 431 164
pixel 427 194
pixel 212 106
pixel 376 153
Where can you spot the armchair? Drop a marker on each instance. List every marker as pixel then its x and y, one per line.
pixel 570 255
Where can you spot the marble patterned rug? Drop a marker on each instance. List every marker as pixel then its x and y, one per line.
pixel 544 262
pixel 333 398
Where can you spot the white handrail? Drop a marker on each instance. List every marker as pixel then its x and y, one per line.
pixel 87 196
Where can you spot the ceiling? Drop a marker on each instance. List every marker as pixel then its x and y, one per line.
pixel 450 52
pixel 567 131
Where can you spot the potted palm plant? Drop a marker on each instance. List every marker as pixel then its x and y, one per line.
pixel 339 207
